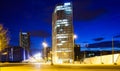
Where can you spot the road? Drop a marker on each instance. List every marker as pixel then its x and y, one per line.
pixel 48 67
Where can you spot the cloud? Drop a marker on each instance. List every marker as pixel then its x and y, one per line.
pixel 84 10
pixel 98 39
pixel 104 44
pixel 89 14
pixel 40 33
pixel 117 36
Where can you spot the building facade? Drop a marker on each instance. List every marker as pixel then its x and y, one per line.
pixel 62 34
pixel 13 54
pixel 46 55
pixel 76 52
pixel 25 42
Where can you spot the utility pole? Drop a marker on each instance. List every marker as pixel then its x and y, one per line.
pixel 84 55
pixel 101 57
pixel 51 57
pixel 45 50
pixel 12 54
pixel 112 50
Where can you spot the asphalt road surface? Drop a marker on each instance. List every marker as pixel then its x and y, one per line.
pixel 64 67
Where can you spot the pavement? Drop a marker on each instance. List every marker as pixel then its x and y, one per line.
pixel 56 67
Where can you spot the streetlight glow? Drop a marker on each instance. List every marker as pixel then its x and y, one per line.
pixel 75 36
pixel 38 56
pixel 44 44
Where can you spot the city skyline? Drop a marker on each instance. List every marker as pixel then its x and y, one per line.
pixel 93 19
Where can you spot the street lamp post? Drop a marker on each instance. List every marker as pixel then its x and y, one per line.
pixel 74 37
pixel 113 51
pixel 101 57
pixel 44 46
pixel 51 57
pixel 85 52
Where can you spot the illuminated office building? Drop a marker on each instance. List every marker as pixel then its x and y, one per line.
pixel 25 43
pixel 62 34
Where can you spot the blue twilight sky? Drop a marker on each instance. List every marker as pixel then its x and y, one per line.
pixel 91 19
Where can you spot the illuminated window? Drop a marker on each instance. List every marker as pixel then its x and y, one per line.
pixel 59 8
pixel 65 20
pixel 58 25
pixel 58 21
pixel 68 9
pixel 24 33
pixel 59 44
pixel 66 24
pixel 61 29
pixel 66 4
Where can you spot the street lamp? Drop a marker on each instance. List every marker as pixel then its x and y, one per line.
pixel 51 57
pixel 44 47
pixel 101 56
pixel 75 36
pixel 44 44
pixel 117 36
pixel 113 50
pixel 86 45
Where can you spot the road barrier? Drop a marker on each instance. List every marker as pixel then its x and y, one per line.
pixel 105 59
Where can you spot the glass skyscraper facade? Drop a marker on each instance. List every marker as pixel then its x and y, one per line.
pixel 62 34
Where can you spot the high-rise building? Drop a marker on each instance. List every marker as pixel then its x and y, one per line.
pixel 62 34
pixel 25 42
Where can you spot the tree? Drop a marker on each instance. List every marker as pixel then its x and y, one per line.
pixel 4 39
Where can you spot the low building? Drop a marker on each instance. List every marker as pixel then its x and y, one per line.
pixel 76 52
pixel 46 53
pixel 13 54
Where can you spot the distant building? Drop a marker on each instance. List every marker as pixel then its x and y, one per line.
pixel 76 52
pixel 13 54
pixel 25 42
pixel 47 53
pixel 62 34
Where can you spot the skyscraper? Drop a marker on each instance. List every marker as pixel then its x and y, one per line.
pixel 25 43
pixel 62 34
